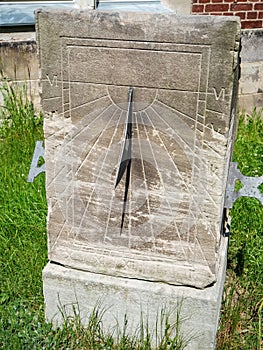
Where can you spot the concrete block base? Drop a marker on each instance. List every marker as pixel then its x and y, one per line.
pixel 137 299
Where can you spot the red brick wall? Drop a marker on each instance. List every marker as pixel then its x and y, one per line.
pixel 250 11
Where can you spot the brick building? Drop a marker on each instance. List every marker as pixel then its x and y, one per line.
pixel 249 11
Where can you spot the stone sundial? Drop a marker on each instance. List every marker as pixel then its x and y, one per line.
pixel 138 137
pixel 139 127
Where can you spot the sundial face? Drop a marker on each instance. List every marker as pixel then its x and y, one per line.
pixel 160 181
pixel 136 184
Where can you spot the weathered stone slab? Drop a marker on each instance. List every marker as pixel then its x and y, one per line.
pixel 139 302
pixel 183 71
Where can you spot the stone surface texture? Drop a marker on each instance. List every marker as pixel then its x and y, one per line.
pixel 137 301
pixel 251 82
pixel 18 63
pixel 184 74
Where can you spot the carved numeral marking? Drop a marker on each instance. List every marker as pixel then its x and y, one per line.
pixel 220 95
pixel 54 81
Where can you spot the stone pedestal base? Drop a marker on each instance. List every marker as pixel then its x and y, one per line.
pixel 136 299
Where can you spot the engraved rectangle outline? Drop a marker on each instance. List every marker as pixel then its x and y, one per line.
pixel 172 45
pixel 179 49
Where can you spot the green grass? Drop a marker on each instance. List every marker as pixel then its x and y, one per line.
pixel 23 252
pixel 22 219
pixel 241 316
